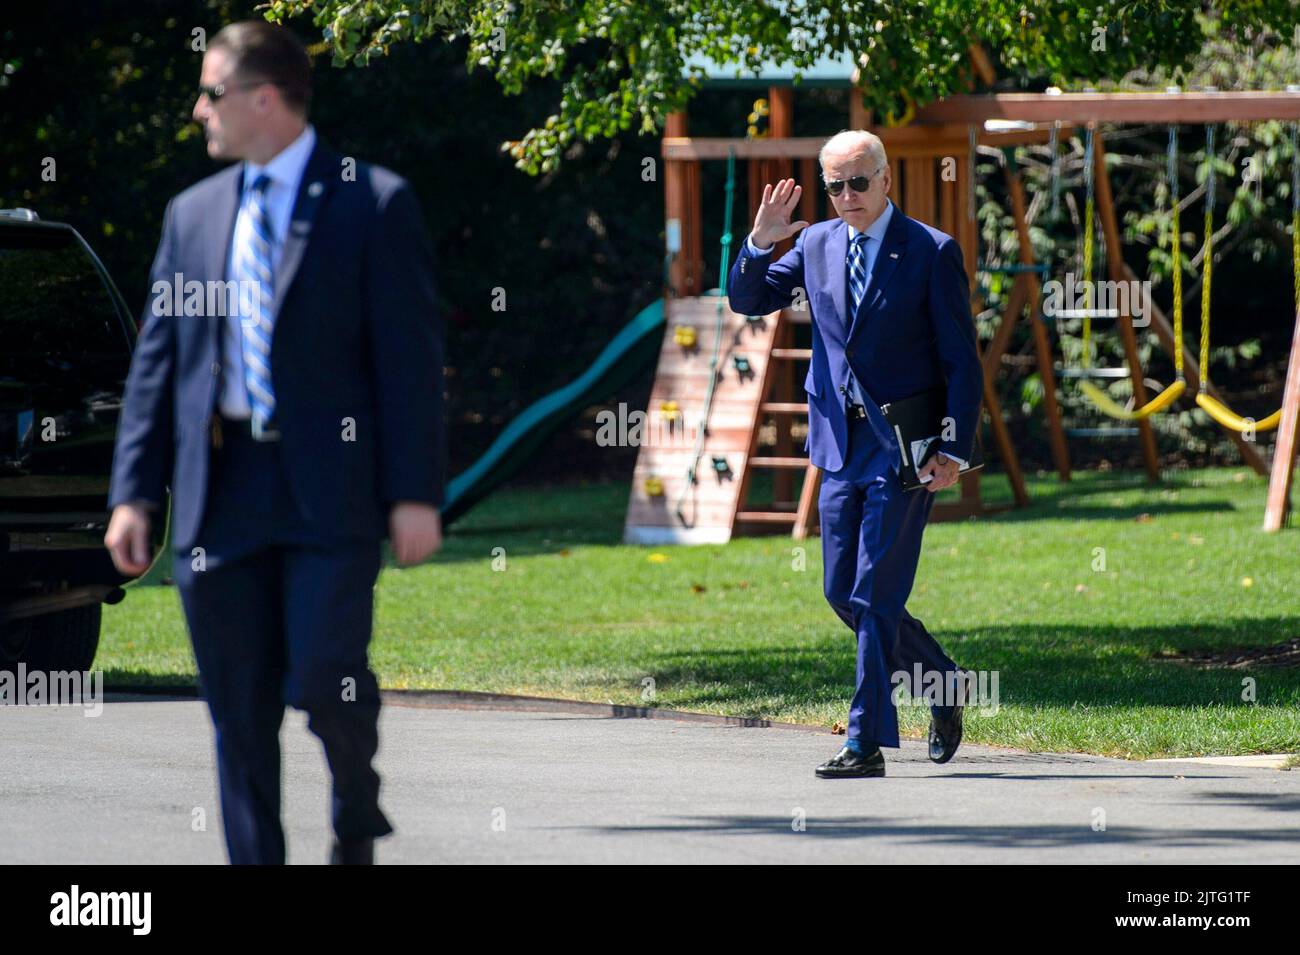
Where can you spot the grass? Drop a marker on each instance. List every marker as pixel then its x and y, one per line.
pixel 534 594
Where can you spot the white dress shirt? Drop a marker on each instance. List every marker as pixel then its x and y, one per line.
pixel 875 234
pixel 285 171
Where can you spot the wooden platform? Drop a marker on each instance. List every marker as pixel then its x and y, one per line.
pixel 704 512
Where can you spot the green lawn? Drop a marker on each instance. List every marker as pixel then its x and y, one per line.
pixel 742 630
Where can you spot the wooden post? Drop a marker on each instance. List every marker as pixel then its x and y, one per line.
pixel 982 64
pixel 992 359
pixel 1002 437
pixel 780 117
pixel 1279 485
pixel 1042 346
pixel 859 115
pixel 780 100
pixel 806 516
pixel 1115 266
pixel 682 204
pixel 810 179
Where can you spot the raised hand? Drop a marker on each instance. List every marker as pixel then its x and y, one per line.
pixel 772 223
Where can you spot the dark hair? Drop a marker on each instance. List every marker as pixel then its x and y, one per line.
pixel 264 51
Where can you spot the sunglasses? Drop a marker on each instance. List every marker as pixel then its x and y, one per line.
pixel 856 183
pixel 218 90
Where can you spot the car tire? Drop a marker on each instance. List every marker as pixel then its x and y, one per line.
pixel 66 640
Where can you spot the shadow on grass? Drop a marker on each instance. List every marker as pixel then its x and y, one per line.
pixel 541 521
pixel 1061 511
pixel 1057 666
pixel 119 679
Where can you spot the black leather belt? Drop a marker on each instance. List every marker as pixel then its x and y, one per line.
pixel 243 427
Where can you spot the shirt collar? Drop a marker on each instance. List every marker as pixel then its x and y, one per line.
pixel 287 165
pixel 878 228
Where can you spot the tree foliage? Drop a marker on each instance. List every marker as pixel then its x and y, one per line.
pixel 623 64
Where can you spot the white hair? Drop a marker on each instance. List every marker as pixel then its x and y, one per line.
pixel 854 141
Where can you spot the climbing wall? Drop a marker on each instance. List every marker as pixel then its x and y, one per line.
pixel 664 507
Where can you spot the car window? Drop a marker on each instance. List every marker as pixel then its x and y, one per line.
pixel 64 357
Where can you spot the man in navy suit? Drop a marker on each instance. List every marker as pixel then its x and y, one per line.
pixel 891 318
pixel 287 386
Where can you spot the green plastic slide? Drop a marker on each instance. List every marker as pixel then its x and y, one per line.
pixel 622 360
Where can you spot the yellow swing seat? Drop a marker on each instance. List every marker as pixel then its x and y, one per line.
pixel 1102 401
pixel 1225 416
pixel 1112 408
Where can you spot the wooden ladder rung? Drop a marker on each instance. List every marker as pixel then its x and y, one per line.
pixel 793 354
pixel 768 462
pixel 766 517
pixel 784 407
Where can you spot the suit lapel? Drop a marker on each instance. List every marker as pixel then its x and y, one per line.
pixel 887 259
pixel 317 177
pixel 835 276
pixel 224 211
pixel 216 259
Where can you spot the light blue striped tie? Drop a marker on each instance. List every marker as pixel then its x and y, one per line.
pixel 858 272
pixel 254 265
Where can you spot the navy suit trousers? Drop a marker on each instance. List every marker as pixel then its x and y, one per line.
pixel 871 542
pixel 277 619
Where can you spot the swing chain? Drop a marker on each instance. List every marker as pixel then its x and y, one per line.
pixel 1207 267
pixel 1088 238
pixel 1175 247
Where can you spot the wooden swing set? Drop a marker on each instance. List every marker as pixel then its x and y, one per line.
pixel 744 397
pixel 1205 108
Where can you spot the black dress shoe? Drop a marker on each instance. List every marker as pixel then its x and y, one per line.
pixel 846 764
pixel 945 733
pixel 353 852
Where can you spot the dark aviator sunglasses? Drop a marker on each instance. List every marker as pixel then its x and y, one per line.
pixel 856 183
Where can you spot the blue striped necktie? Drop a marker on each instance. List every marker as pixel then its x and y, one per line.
pixel 858 272
pixel 255 265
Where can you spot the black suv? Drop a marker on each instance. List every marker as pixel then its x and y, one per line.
pixel 65 346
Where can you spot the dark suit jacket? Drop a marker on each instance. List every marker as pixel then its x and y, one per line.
pixel 912 332
pixel 357 335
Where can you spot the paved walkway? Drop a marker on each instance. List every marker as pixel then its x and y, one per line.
pixel 500 786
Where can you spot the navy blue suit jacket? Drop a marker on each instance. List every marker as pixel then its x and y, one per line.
pixel 357 335
pixel 912 332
